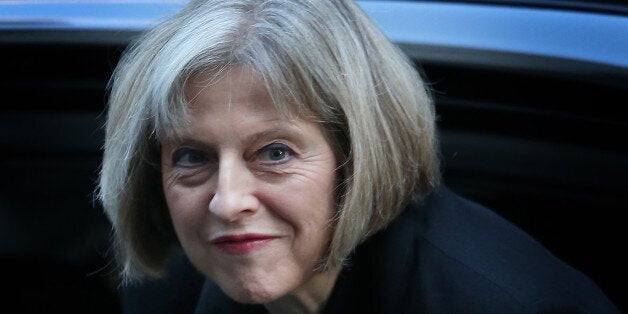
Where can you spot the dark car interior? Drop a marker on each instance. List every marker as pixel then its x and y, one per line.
pixel 539 140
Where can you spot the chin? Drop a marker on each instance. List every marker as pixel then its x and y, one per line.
pixel 251 294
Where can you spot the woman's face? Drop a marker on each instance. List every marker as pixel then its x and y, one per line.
pixel 250 193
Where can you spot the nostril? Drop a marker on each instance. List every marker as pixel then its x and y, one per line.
pixel 232 206
pixel 234 190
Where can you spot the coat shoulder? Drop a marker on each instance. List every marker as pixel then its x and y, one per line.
pixel 463 247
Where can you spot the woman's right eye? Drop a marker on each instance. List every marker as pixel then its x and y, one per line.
pixel 188 158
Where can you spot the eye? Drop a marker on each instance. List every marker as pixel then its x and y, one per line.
pixel 275 153
pixel 188 158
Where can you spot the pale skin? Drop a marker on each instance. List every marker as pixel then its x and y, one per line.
pixel 244 171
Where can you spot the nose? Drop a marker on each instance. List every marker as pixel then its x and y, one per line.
pixel 234 189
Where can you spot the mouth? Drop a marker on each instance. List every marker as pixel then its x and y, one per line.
pixel 241 244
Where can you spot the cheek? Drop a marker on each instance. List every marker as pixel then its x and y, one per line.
pixel 306 205
pixel 186 206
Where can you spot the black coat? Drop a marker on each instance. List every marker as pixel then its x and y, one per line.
pixel 446 255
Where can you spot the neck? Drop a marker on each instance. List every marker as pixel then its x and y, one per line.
pixel 309 298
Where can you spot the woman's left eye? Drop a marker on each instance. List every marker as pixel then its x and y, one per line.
pixel 275 153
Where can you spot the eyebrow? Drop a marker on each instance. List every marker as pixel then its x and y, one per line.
pixel 270 133
pixel 251 138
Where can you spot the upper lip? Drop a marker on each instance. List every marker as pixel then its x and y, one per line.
pixel 241 238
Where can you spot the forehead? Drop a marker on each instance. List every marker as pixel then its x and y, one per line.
pixel 238 85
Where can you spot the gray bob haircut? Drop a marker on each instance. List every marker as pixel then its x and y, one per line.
pixel 320 59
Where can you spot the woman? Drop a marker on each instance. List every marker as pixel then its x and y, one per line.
pixel 289 149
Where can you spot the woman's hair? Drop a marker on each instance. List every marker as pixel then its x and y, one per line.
pixel 319 59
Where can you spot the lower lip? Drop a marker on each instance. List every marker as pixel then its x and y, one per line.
pixel 242 247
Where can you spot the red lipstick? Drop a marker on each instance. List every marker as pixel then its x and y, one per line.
pixel 242 243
